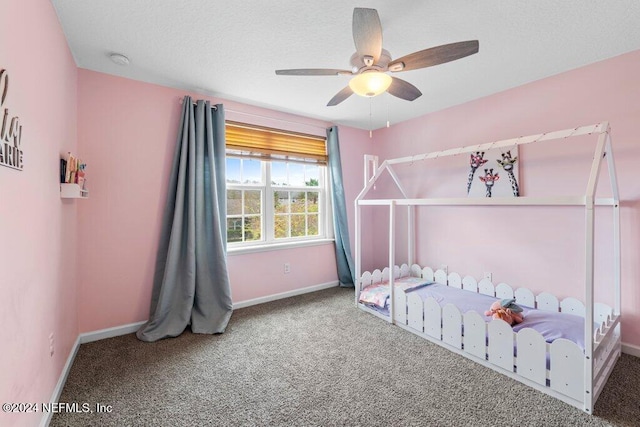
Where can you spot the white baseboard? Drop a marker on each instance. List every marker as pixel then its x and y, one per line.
pixel 631 349
pixel 87 337
pixel 116 331
pixel 133 327
pixel 82 339
pixel 287 294
pixel 57 391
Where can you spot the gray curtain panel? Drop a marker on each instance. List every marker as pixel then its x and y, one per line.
pixel 344 260
pixel 191 282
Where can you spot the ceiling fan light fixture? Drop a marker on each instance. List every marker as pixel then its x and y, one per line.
pixel 370 84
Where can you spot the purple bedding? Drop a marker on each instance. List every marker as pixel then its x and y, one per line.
pixel 550 325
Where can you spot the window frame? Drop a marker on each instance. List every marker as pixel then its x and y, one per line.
pixel 268 240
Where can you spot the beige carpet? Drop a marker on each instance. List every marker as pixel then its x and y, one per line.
pixel 316 360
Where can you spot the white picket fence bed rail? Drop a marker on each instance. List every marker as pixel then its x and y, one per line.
pixel 492 344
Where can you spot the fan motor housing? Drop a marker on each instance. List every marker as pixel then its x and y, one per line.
pixel 358 65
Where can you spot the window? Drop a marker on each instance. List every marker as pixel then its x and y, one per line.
pixel 275 193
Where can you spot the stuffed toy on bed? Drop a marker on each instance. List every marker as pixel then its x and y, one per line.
pixel 506 310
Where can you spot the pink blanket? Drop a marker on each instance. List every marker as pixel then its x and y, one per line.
pixel 377 295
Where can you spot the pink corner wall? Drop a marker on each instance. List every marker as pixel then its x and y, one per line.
pixel 540 248
pixel 38 229
pixel 127 134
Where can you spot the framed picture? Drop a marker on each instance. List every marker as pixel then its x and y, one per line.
pixel 493 173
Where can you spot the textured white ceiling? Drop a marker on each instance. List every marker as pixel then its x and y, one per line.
pixel 230 49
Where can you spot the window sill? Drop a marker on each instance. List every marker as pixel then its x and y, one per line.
pixel 276 246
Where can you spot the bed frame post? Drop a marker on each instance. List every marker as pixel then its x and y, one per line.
pixel 588 321
pixel 370 167
pixel 400 187
pixel 392 256
pixel 370 170
pixel 411 232
pixel 358 238
pixel 616 224
pixel 589 260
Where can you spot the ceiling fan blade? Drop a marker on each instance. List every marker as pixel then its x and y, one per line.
pixel 403 89
pixel 340 96
pixel 367 33
pixel 434 56
pixel 312 72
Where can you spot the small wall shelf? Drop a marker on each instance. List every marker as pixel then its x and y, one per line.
pixel 73 191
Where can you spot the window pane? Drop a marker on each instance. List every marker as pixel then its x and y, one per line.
pixel 234 229
pixel 234 202
pixel 281 226
pixel 252 202
pixel 278 173
pixel 252 228
pixel 296 214
pixel 233 170
pixel 312 175
pixel 312 201
pixel 312 225
pixel 251 171
pixel 296 174
pixel 298 201
pixel 298 228
pixel 281 201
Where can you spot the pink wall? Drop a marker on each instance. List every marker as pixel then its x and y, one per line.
pixel 541 248
pixel 127 132
pixel 38 229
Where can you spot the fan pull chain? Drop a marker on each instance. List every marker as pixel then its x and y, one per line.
pixel 370 120
pixel 386 104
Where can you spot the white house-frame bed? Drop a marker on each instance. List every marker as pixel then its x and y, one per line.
pixel 575 374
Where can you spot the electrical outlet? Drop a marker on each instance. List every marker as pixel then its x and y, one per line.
pixel 487 275
pixel 287 268
pixel 51 344
pixel 445 268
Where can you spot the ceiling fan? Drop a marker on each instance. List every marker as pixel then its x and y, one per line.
pixel 371 62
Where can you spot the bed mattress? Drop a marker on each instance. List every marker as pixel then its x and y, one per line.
pixel 550 325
